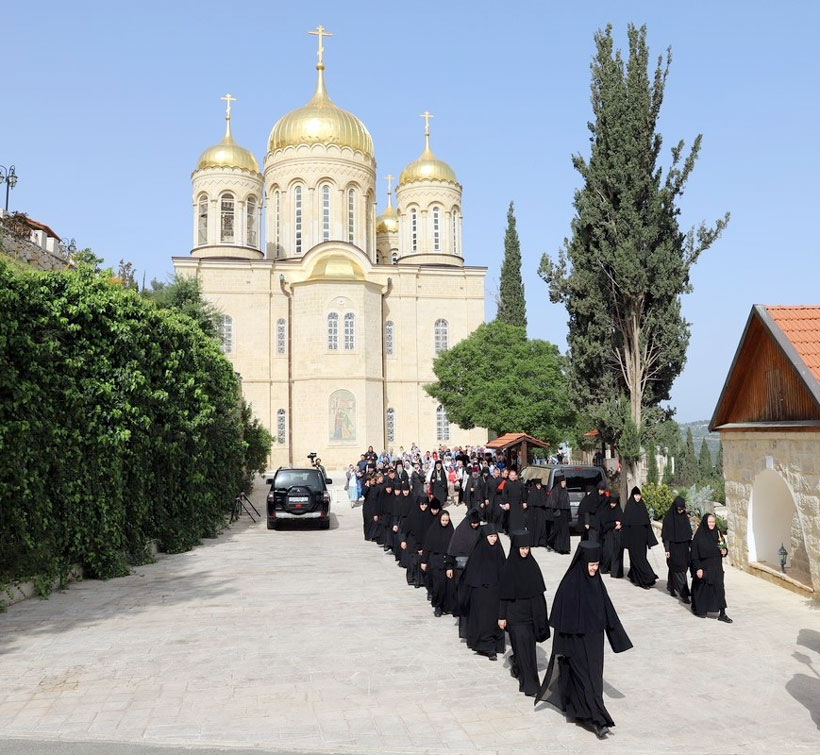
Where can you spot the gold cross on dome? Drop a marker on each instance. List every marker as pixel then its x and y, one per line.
pixel 427 115
pixel 389 178
pixel 228 100
pixel 320 32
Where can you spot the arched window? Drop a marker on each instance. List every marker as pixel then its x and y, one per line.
pixel 297 218
pixel 333 331
pixel 440 336
pixel 388 337
pixel 436 229
pixel 281 426
pixel 414 230
pixel 325 213
pixel 378 259
pixel 350 331
pixel 454 229
pixel 370 216
pixel 351 214
pixel 394 258
pixel 281 337
pixel 250 213
pixel 442 424
pixel 226 235
pixel 226 334
pixel 277 222
pixel 202 220
pixel 391 425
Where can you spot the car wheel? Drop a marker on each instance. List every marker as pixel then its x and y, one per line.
pixel 273 525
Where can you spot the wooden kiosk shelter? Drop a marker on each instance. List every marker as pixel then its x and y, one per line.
pixel 515 447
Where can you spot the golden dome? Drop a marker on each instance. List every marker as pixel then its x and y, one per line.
pixel 427 167
pixel 227 153
pixel 320 122
pixel 388 221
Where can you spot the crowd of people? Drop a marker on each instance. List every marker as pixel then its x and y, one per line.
pixel 465 572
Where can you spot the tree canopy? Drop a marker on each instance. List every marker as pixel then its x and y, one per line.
pixel 496 378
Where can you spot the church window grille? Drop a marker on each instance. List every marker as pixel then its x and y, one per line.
pixel 351 215
pixel 414 230
pixel 281 334
pixel 454 223
pixel 388 337
pixel 281 426
pixel 333 331
pixel 202 220
pixel 227 231
pixel 378 259
pixel 440 333
pixel 371 211
pixel 350 331
pixel 276 222
pixel 226 334
pixel 325 213
pixel 394 258
pixel 442 424
pixel 297 217
pixel 250 211
pixel 391 425
pixel 436 229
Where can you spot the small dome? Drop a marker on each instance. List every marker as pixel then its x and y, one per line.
pixel 427 168
pixel 388 221
pixel 227 153
pixel 320 122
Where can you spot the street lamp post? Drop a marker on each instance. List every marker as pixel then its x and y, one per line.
pixel 10 177
pixel 68 247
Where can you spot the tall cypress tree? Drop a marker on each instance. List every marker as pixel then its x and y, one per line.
pixel 719 461
pixel 622 273
pixel 705 470
pixel 512 307
pixel 689 461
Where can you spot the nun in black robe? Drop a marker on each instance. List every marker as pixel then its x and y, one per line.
pixel 515 494
pixel 461 546
pixel 588 523
pixel 522 611
pixel 478 594
pixel 438 566
pixel 415 528
pixel 708 552
pixel 676 535
pixel 637 536
pixel 386 515
pixel 398 507
pixel 612 550
pixel 537 512
pixel 376 527
pixel 370 493
pixel 417 482
pixel 581 613
pixel 406 505
pixel 438 482
pixel 561 515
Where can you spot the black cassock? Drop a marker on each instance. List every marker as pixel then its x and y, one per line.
pixel 416 524
pixel 461 546
pixel 522 604
pixel 708 591
pixel 406 506
pixel 416 484
pixel 538 519
pixel 442 589
pixel 588 523
pixel 612 550
pixel 475 492
pixel 376 527
pixel 478 595
pixel 676 535
pixel 368 508
pixel 637 536
pixel 386 516
pixel 515 494
pixel 561 515
pixel 438 484
pixel 581 614
pixel 494 492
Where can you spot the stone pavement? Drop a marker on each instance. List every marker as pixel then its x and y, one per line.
pixel 305 640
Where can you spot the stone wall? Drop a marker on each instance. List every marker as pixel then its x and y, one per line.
pixel 795 458
pixel 31 253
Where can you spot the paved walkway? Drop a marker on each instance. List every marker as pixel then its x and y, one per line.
pixel 305 640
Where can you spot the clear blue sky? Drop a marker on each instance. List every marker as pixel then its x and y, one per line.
pixel 106 107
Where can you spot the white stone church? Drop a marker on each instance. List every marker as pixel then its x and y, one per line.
pixel 333 316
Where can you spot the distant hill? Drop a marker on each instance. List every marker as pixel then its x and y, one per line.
pixel 700 430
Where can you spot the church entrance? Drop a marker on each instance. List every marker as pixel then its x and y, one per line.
pixel 774 521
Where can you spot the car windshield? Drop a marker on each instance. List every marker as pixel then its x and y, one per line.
pixel 579 479
pixel 287 478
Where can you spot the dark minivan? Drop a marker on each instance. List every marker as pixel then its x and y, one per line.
pixel 298 494
pixel 578 479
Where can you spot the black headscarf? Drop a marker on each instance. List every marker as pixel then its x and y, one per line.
pixel 521 577
pixel 706 542
pixel 438 537
pixel 559 497
pixel 588 505
pixel 608 514
pixel 419 520
pixel 486 561
pixel 465 536
pixel 676 527
pixel 635 513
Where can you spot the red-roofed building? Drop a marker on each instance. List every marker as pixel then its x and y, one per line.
pixel 768 415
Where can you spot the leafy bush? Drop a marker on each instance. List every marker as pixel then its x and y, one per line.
pixel 658 498
pixel 120 423
pixel 698 499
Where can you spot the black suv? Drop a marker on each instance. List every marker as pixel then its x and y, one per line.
pixel 578 479
pixel 298 494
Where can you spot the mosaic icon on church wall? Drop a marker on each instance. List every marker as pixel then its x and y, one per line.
pixel 342 415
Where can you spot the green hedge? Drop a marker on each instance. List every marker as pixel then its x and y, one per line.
pixel 120 423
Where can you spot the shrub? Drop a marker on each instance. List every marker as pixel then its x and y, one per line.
pixel 658 498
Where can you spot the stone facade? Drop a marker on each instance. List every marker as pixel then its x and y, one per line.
pixel 767 472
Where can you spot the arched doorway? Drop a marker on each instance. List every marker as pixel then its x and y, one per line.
pixel 774 521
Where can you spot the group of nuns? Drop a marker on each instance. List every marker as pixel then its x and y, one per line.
pixel 467 574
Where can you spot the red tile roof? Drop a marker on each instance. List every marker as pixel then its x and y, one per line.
pixel 801 325
pixel 511 439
